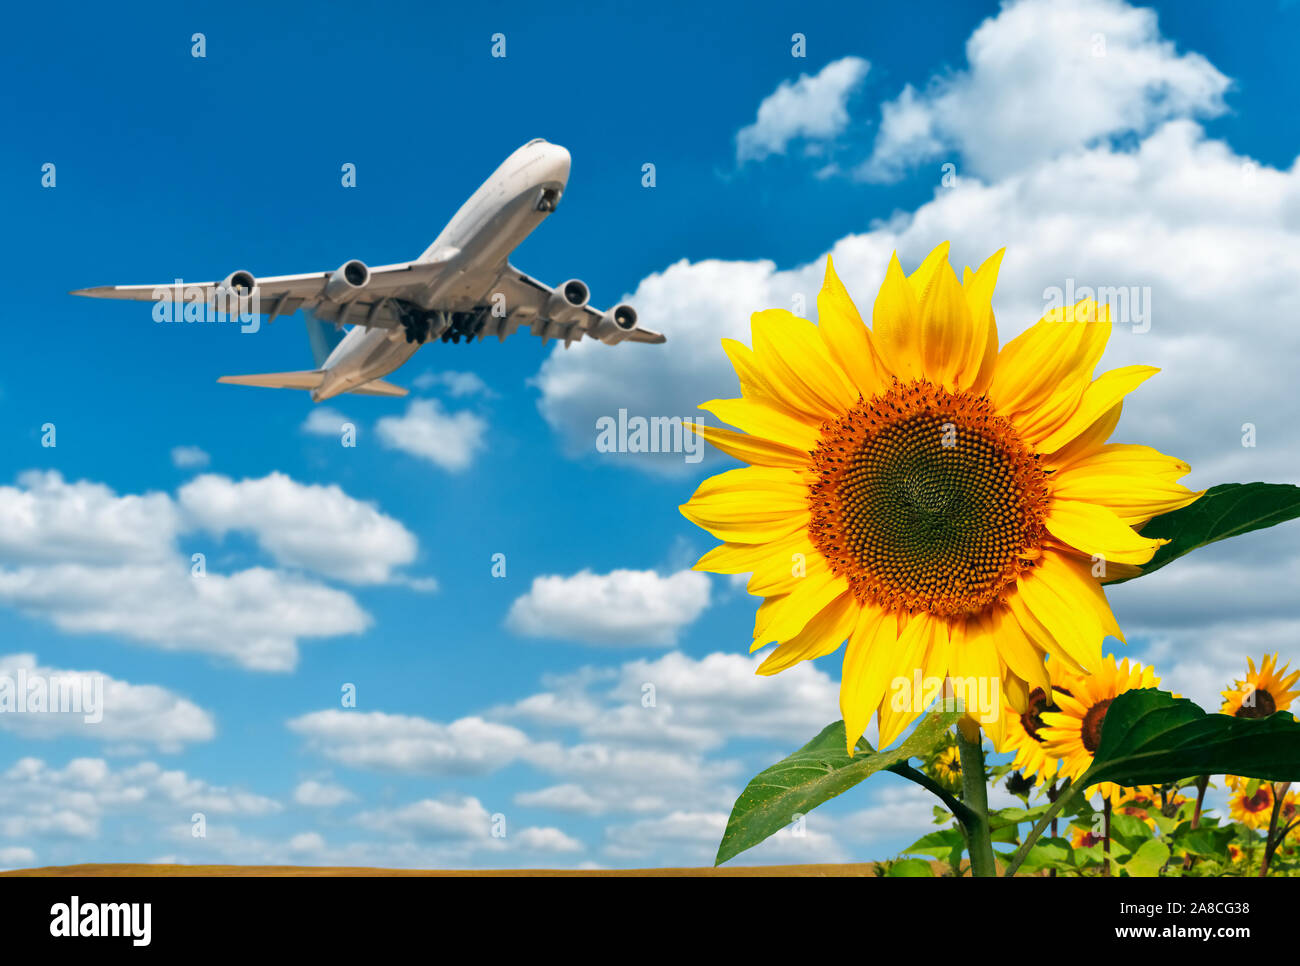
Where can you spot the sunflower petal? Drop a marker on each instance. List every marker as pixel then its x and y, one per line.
pixel 794 359
pixel 823 634
pixel 978 288
pixel 869 664
pixel 1098 531
pixel 946 330
pixel 896 334
pixel 764 422
pixel 923 645
pixel 846 337
pixel 1109 480
pixel 1041 373
pixel 1105 392
pixel 751 449
pixel 781 618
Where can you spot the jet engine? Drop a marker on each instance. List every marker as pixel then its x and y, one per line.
pixel 567 301
pixel 348 279
pixel 240 283
pixel 615 324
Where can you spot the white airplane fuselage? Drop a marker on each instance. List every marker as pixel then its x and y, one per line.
pixel 473 250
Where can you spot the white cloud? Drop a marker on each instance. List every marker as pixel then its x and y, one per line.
pixel 1208 235
pixel 314 794
pixel 621 608
pixel 39 801
pixel 92 561
pixel 189 457
pixel 409 744
pixel 465 821
pixel 677 701
pixel 17 857
pixel 449 441
pixel 128 714
pixel 325 421
pixel 307 843
pixel 562 798
pixel 254 618
pixel 45 518
pixel 313 527
pixel 1046 77
pixel 811 107
pixel 456 384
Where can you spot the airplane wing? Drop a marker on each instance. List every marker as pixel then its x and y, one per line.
pixel 278 295
pixel 553 314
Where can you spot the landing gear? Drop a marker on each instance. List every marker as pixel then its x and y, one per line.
pixel 421 325
pixel 418 323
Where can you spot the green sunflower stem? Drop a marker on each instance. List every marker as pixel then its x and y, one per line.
pixel 975 796
pixel 1069 792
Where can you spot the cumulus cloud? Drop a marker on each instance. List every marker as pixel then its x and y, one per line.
pixel 90 560
pixel 622 608
pixel 46 518
pixel 324 421
pixel 427 431
pixel 410 744
pixel 255 617
pixel 315 794
pixel 455 384
pixel 301 525
pixel 189 457
pixel 812 107
pixel 1045 77
pixel 39 800
pixel 677 701
pixel 127 714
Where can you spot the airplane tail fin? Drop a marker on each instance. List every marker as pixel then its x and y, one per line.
pixel 306 379
pixel 322 337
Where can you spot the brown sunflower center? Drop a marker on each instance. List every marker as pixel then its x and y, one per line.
pixel 1092 721
pixel 1032 719
pixel 1257 704
pixel 1261 800
pixel 926 500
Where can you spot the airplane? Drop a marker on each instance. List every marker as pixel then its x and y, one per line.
pixel 462 286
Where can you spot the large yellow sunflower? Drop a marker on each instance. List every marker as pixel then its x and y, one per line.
pixel 1073 733
pixel 1263 692
pixel 945 507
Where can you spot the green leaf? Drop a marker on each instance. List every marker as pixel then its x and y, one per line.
pixel 1129 830
pixel 1048 853
pixel 1017 816
pixel 1226 510
pixel 911 869
pixel 1149 737
pixel 816 773
pixel 1211 840
pixel 1149 859
pixel 941 845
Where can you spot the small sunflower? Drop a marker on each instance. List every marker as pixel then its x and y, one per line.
pixel 1082 838
pixel 1234 852
pixel 945 767
pixel 1138 802
pixel 1023 730
pixel 1073 733
pixel 939 503
pixel 1252 810
pixel 1262 692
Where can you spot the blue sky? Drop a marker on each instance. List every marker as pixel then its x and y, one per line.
pixel 1166 162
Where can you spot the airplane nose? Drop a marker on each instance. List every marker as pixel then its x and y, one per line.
pixel 557 163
